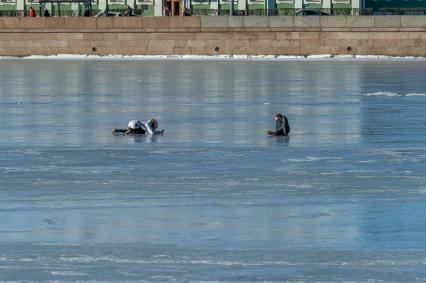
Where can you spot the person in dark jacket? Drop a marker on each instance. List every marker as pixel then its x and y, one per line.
pixel 129 11
pixel 87 12
pixel 282 126
pixel 187 12
pixel 46 13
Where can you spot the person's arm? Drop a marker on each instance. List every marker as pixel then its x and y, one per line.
pixel 153 132
pixel 148 128
pixel 279 126
pixel 159 132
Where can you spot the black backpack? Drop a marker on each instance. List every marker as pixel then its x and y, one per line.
pixel 286 125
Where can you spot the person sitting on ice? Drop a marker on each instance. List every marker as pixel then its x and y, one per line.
pixel 282 127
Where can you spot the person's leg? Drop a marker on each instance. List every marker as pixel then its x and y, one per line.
pixel 116 131
pixel 139 131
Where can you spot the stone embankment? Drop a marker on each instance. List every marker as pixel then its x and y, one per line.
pixel 311 35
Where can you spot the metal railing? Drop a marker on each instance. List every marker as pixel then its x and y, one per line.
pixel 280 12
pixel 322 12
pixel 399 11
pixel 11 13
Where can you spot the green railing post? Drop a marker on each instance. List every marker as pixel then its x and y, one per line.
pixel 265 7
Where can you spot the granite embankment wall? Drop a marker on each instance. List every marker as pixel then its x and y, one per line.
pixel 361 35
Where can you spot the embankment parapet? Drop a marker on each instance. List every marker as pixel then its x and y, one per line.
pixel 363 35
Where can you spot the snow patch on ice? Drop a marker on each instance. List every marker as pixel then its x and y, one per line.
pixel 415 94
pixel 237 57
pixel 382 93
pixel 68 273
pixel 389 93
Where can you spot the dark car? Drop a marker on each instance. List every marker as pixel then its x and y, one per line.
pixel 311 13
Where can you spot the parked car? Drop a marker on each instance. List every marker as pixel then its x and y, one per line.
pixel 311 13
pixel 109 14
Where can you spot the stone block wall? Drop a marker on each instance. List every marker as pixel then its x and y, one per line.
pixel 356 35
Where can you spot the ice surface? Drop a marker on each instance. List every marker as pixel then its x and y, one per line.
pixel 214 199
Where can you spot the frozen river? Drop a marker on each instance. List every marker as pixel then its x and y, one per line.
pixel 343 198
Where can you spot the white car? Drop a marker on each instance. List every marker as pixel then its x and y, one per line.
pixel 109 14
